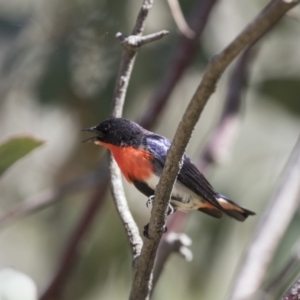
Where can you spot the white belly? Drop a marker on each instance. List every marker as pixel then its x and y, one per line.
pixel 187 199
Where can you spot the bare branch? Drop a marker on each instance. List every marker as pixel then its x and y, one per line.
pixel 270 231
pixel 50 196
pixel 179 19
pixel 130 226
pixel 172 243
pixel 133 42
pixel 131 46
pixel 142 282
pixel 186 50
pixel 76 240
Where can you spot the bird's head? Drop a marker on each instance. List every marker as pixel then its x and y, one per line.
pixel 116 131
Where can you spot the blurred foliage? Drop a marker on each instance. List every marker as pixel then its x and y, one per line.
pixel 14 149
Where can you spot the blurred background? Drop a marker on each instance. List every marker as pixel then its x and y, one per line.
pixel 58 65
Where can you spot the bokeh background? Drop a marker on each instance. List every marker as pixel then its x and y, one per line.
pixel 58 66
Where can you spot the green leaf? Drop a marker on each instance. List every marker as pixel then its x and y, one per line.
pixel 15 148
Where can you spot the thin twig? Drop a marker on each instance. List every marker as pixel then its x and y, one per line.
pixel 179 19
pixel 270 231
pixel 135 41
pixel 142 282
pixel 118 193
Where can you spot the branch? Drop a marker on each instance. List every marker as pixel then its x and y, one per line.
pixel 267 18
pixel 76 240
pixel 50 196
pixel 172 243
pixel 131 46
pixel 186 50
pixel 223 137
pixel 179 19
pixel 218 147
pixel 270 231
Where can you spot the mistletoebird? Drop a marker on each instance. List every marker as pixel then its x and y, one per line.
pixel 141 156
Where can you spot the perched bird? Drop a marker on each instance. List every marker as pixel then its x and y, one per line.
pixel 141 155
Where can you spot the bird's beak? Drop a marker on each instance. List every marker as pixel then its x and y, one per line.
pixel 91 129
pixel 92 139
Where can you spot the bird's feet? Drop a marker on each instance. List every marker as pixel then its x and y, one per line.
pixel 171 209
pixel 150 200
pixel 146 230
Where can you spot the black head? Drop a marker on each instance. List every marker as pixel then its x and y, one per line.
pixel 118 131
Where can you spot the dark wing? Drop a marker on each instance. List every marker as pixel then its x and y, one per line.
pixel 189 175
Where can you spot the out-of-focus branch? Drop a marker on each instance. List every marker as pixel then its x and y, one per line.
pixel 50 196
pixel 173 243
pixel 219 145
pixel 185 52
pixel 142 282
pixel 270 231
pixel 72 250
pixel 179 19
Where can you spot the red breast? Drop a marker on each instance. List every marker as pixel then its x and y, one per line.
pixel 134 163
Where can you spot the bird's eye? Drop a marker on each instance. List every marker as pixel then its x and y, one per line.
pixel 106 127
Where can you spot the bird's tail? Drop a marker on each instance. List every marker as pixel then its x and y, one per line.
pixel 232 209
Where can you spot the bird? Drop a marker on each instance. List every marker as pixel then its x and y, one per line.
pixel 141 156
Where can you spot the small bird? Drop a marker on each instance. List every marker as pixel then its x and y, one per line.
pixel 141 155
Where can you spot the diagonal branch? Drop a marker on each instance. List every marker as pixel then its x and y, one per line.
pixel 181 60
pixel 54 290
pixel 270 231
pixel 267 18
pixel 50 196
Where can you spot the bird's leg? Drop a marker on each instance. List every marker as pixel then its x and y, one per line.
pixel 150 200
pixel 171 210
pixel 146 230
